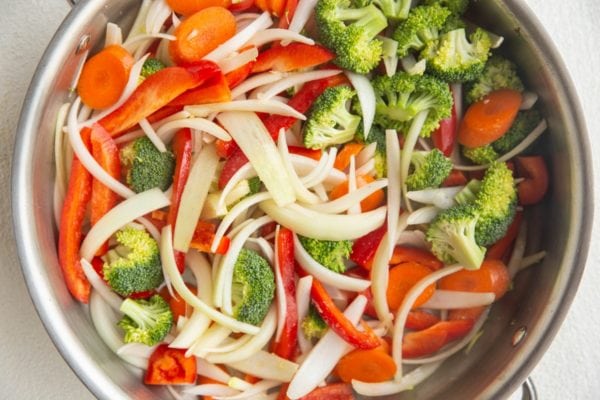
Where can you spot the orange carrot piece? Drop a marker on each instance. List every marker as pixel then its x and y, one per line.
pixel 189 7
pixel 275 7
pixel 492 276
pixel 472 313
pixel 404 254
pixel 420 319
pixel 201 33
pixel 533 189
pixel 367 204
pixel 342 161
pixel 104 77
pixel 366 365
pixel 402 278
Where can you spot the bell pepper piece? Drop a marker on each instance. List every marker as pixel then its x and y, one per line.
pixel 239 75
pixel 215 91
pixel 288 14
pixel 303 151
pixel 286 346
pixel 430 340
pixel 237 160
pixel 204 235
pixel 364 248
pixel 243 5
pixel 533 189
pixel 456 178
pixel 444 136
pixel 225 149
pixel 156 91
pixel 274 7
pixel 168 366
pixel 292 57
pixel 332 391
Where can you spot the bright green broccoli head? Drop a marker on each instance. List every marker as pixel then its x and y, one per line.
pixel 480 155
pixel 376 135
pixel 134 264
pixel 151 66
pixel 452 237
pixel 522 126
pixel 429 169
pixel 146 166
pixel 394 9
pixel 422 26
pixel 329 121
pixel 457 7
pixel 453 22
pixel 350 33
pixel 401 97
pixel 253 287
pixel 313 326
pixel 469 193
pixel 498 73
pixel 454 58
pixel 146 321
pixel 330 254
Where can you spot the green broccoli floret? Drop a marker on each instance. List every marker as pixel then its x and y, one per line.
pixel 401 97
pixel 457 7
pixel 522 126
pixel 151 65
pixel 480 155
pixel 394 9
pixel 453 22
pixel 329 253
pixel 253 287
pixel 421 27
pixel 454 58
pixel 351 32
pixel 376 135
pixel 254 185
pixel 146 321
pixel 498 73
pixel 313 326
pixel 134 264
pixel 429 169
pixel 452 237
pixel 329 121
pixel 468 194
pixel 146 167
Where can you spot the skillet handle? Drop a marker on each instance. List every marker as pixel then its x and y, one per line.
pixel 72 2
pixel 528 391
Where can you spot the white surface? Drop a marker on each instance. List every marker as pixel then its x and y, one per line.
pixel 32 368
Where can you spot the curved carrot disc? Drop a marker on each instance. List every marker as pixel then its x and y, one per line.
pixel 402 278
pixel 189 7
pixel 104 77
pixel 366 365
pixel 369 203
pixel 491 277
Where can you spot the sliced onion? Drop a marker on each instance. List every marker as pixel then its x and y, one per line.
pixel 344 202
pixel 240 38
pixel 167 130
pixel 267 365
pixel 405 307
pixel 439 197
pixel 236 61
pixel 518 250
pixel 408 147
pixel 321 192
pixel 263 106
pixel 424 144
pixel 293 80
pixel 256 81
pixel 276 34
pixel 239 384
pixel 304 166
pixel 529 100
pixel 123 213
pixel 531 260
pixel 157 15
pixel 412 66
pixel 253 390
pixel 180 396
pixel 139 25
pixel 408 382
pixel 323 226
pixel 244 172
pixel 213 337
pixel 325 275
pixel 366 97
pixel 209 370
pixel 390 55
pixel 151 134
pixel 366 154
pixel 367 168
pixel 230 345
pixel 423 215
pixel 302 193
pixel 302 15
pixel 263 246
pixel 170 266
pixel 133 43
pixel 211 389
pixel 137 350
pixel 395 182
pixel 303 288
pixel 114 35
pixel 413 238
pixel 451 299
pixel 246 16
pixel 325 355
pixel 111 298
pixel 280 292
pixel 319 169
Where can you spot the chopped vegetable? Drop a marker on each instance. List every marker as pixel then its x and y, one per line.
pixel 430 169
pixel 146 167
pixel 146 321
pixel 292 57
pixel 330 254
pixel 533 189
pixel 168 366
pixel 402 277
pixel 374 365
pixel 313 325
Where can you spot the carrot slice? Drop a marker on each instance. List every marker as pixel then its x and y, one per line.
pixel 404 254
pixel 491 277
pixel 533 189
pixel 366 365
pixel 402 278
pixel 189 7
pixel 201 33
pixel 104 77
pixel 342 161
pixel 371 202
pixel 489 118
pixel 274 7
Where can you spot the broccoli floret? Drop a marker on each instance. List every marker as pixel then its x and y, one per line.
pixel 498 73
pixel 457 7
pixel 454 58
pixel 151 65
pixel 146 167
pixel 253 287
pixel 329 121
pixel 313 326
pixel 453 22
pixel 146 321
pixel 134 264
pixel 430 168
pixel 329 253
pixel 469 192
pixel 522 126
pixel 420 28
pixel 401 97
pixel 254 185
pixel 351 33
pixel 452 237
pixel 376 135
pixel 394 9
pixel 480 155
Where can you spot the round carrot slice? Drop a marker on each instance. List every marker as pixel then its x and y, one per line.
pixel 492 277
pixel 189 7
pixel 402 278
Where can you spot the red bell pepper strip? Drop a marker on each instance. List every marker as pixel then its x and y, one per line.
pixel 292 57
pixel 236 161
pixel 168 366
pixel 499 249
pixel 288 14
pixel 430 340
pixel 156 91
pixel 106 153
pixel 364 248
pixel 333 391
pixel 182 148
pixel 225 149
pixel 444 136
pixel 456 178
pixel 303 151
pixel 239 74
pixel 336 320
pixel 70 232
pixel 286 346
pixel 418 320
pixel 242 5
pixel 204 235
pixel 215 91
pixel 533 189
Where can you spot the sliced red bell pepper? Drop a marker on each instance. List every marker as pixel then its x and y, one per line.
pixel 215 91
pixel 332 391
pixel 182 149
pixel 156 91
pixel 303 151
pixel 288 14
pixel 204 235
pixel 533 189
pixel 168 366
pixel 418 320
pixel 456 178
pixel 70 233
pixel 242 5
pixel 404 254
pixel 499 249
pixel 236 161
pixel 444 136
pixel 364 248
pixel 225 149
pixel 292 57
pixel 430 340
pixel 286 346
pixel 106 153
pixel 239 75
pixel 336 320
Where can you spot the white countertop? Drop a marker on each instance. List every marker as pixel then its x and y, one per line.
pixel 30 364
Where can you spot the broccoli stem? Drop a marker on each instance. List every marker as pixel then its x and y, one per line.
pixel 406 153
pixel 137 313
pixel 469 256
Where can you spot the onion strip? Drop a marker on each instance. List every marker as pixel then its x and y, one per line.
pixel 267 366
pixel 256 81
pixel 151 134
pixel 110 297
pixel 303 288
pixel 264 106
pixel 280 289
pixel 453 299
pixel 366 98
pixel 167 130
pixel 276 34
pixel 293 80
pixel 408 382
pixel 344 202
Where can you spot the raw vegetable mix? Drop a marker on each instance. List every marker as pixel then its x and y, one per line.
pixel 295 199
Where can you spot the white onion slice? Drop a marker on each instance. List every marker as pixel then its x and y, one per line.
pixel 263 246
pixel 319 169
pixel 133 43
pixel 412 66
pixel 303 288
pixel 209 370
pixel 531 260
pixel 194 194
pixel 395 182
pixel 168 260
pixel 302 15
pixel 304 165
pixel 451 299
pixel 136 349
pixel 256 81
pixel 123 213
pixel 151 134
pixel 439 197
pixel 114 35
pixel 323 226
pixel 390 55
pixel 414 238
pixel 302 193
pixel 245 16
pixel 366 97
pixel 167 130
pixel 528 101
pixel 276 34
pixel 211 389
pixel 366 154
pixel 111 298
pixel 408 382
pixel 409 145
pixel 236 61
pixel 344 202
pixel 239 384
pixel 213 337
pixel 157 15
pixel 264 106
pixel 325 355
pixel 240 38
pixel 367 168
pixel 244 172
pixel 230 345
pixel 139 24
pixel 253 390
pixel 325 275
pixel 423 215
pixel 267 366
pixel 280 289
pixel 518 250
pixel 293 80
